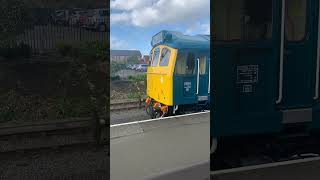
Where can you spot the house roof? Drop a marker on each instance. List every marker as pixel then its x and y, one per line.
pixel 125 53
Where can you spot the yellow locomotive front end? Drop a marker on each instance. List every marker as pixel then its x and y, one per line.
pixel 160 74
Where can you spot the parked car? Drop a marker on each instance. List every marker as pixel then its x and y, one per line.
pixel 142 67
pixel 60 17
pixel 85 17
pixel 99 20
pixel 75 17
pixel 135 66
pixel 132 66
pixel 129 66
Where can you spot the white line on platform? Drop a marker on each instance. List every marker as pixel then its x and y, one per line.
pixel 149 120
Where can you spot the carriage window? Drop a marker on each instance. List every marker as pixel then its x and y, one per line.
pixel 155 57
pixel 296 20
pixel 242 20
pixel 185 64
pixel 202 65
pixel 165 57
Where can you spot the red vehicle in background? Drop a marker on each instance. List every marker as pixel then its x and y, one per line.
pixel 85 17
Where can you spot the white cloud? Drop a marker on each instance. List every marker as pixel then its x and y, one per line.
pixel 144 13
pixel 129 4
pixel 120 18
pixel 116 43
pixel 198 28
pixel 205 28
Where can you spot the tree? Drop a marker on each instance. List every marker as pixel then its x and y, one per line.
pixel 15 17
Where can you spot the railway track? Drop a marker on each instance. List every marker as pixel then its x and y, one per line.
pixel 53 134
pixel 126 105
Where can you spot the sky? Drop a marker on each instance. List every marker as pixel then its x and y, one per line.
pixel 134 22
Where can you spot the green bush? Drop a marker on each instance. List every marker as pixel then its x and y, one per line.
pixel 115 78
pixel 115 67
pixel 138 78
pixel 16 51
pixel 24 50
pixel 64 49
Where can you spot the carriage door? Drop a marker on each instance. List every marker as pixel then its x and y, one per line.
pixel 202 77
pixel 298 55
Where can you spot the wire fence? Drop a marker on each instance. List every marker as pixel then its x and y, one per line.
pixel 46 28
pixel 47 37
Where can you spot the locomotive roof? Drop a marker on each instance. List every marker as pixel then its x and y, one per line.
pixel 178 40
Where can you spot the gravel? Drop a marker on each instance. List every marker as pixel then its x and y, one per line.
pixel 63 163
pixel 128 116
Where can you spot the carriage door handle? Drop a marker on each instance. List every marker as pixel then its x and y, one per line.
pixel 198 75
pixel 281 58
pixel 316 93
pixel 209 80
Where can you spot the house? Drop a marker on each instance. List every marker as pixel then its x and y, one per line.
pixel 144 59
pixel 122 56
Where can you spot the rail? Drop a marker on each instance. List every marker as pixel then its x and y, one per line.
pixel 32 127
pixel 126 105
pixel 50 134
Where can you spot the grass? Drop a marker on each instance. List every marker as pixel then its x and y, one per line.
pixel 135 88
pixel 138 78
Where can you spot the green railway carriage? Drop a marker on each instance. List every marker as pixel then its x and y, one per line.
pixel 265 70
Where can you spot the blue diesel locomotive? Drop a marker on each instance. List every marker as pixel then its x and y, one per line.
pixel 178 78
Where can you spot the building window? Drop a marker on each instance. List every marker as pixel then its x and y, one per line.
pixel 165 57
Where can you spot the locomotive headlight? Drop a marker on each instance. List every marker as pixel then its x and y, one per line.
pixel 157 105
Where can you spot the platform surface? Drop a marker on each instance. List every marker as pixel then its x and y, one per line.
pixel 165 149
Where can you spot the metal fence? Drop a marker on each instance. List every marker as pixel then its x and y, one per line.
pixel 47 37
pixel 44 28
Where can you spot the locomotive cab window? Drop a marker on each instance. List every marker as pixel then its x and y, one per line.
pixel 185 64
pixel 296 20
pixel 151 58
pixel 242 20
pixel 155 57
pixel 165 57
